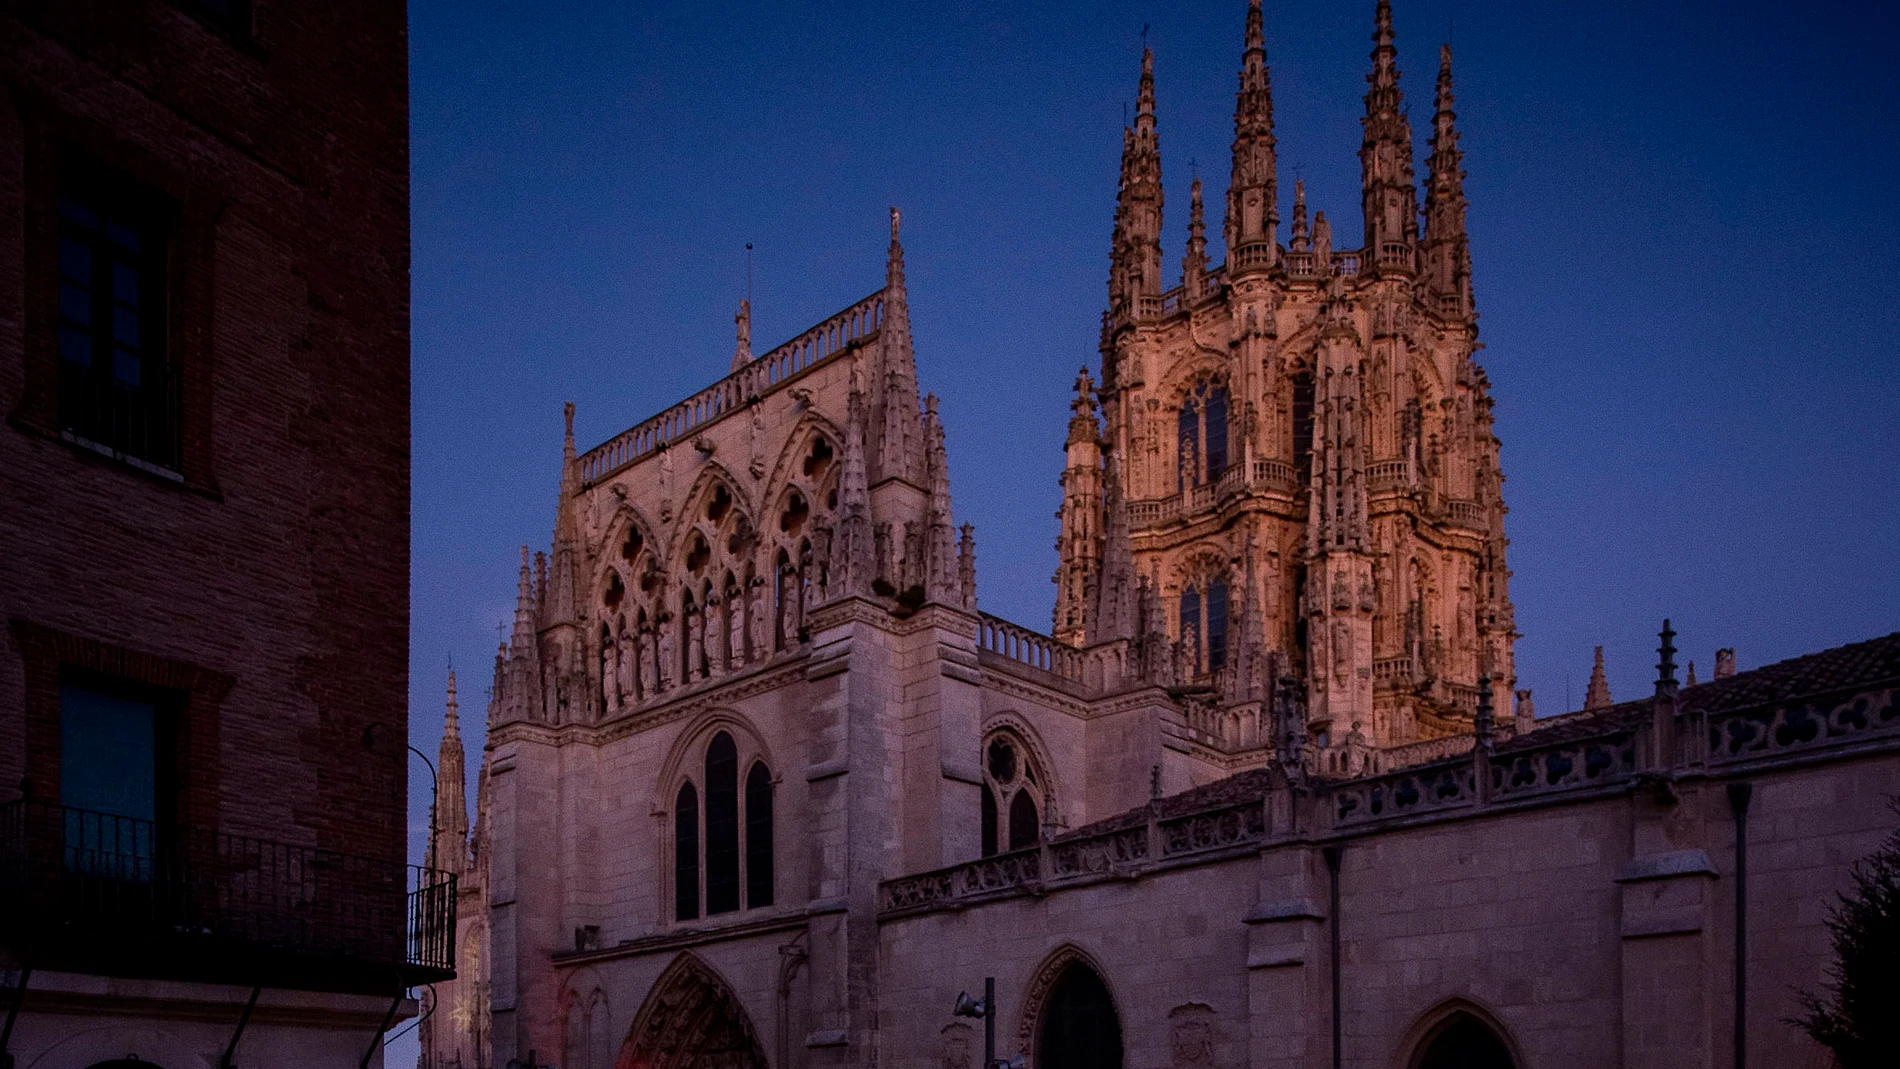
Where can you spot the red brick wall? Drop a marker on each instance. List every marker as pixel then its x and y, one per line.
pixel 281 561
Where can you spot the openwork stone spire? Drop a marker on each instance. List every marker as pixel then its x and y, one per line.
pixel 1385 156
pixel 898 449
pixel 1194 261
pixel 1079 538
pixel 943 586
pixel 853 554
pixel 1116 587
pixel 1136 270
pixel 448 846
pixel 1253 212
pixel 1448 255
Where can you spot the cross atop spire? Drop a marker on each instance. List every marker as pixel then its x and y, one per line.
pixel 1253 192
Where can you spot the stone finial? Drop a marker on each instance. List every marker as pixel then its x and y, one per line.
pixel 1724 662
pixel 1526 714
pixel 1598 696
pixel 742 352
pixel 1666 665
pixel 1691 680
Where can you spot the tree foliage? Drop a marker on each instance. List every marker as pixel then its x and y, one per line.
pixel 1858 1017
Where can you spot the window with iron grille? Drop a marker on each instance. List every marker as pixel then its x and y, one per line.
pixel 117 386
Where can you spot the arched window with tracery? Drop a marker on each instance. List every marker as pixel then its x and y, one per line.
pixel 1015 799
pixel 1201 434
pixel 1204 624
pixel 722 836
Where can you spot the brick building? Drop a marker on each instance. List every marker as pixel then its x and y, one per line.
pixel 764 786
pixel 204 494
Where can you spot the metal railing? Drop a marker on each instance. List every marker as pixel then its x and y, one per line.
pixel 119 894
pixel 133 420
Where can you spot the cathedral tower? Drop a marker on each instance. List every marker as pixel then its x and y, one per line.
pixel 1297 443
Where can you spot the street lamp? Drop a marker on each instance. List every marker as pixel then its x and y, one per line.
pixel 435 786
pixel 984 1008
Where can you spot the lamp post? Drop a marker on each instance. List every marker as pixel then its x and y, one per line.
pixel 986 1009
pixel 435 786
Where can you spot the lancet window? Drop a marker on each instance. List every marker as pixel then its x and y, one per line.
pixel 723 835
pixel 1204 624
pixel 1201 433
pixel 1015 795
pixel 1303 428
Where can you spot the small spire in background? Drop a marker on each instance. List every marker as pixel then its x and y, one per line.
pixel 1598 696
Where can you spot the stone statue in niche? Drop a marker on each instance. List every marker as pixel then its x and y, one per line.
pixel 757 624
pixel 735 628
pixel 668 646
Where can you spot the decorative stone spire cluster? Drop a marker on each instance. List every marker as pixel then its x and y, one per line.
pixel 1297 442
pixel 448 840
pixel 1136 255
pixel 1447 250
pixel 1390 196
pixel 1253 193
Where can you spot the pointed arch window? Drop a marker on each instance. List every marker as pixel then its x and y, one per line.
pixel 723 844
pixel 1201 432
pixel 1015 795
pixel 686 853
pixel 1204 624
pixel 1303 428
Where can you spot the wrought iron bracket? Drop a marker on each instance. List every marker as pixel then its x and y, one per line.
pixel 244 1020
pixel 13 1013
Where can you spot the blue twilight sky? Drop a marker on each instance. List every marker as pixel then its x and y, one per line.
pixel 1683 229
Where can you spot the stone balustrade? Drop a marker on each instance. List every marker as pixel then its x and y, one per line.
pixel 1452 778
pixel 1269 475
pixel 1389 475
pixel 1015 643
pixel 855 325
pixel 1466 514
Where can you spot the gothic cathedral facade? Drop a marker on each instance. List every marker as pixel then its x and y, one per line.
pixel 763 785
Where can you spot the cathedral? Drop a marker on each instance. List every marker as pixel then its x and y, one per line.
pixel 764 786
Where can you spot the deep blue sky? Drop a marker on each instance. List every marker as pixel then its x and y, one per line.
pixel 1685 238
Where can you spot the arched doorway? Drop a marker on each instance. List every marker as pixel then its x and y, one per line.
pixel 1079 1028
pixel 691 1020
pixel 1462 1041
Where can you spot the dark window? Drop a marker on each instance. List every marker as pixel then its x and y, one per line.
pixel 1201 431
pixel 1191 630
pixel 1188 434
pixel 117 387
pixel 722 825
pixel 989 821
pixel 110 780
pixel 1216 624
pixel 1079 1029
pixel 1024 827
pixel 1464 1042
pixel 686 853
pixel 1303 428
pixel 758 836
pixel 1216 432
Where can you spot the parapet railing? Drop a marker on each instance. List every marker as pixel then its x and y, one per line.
pixel 1015 642
pixel 1276 475
pixel 1048 865
pixel 169 900
pixel 853 326
pixel 1460 779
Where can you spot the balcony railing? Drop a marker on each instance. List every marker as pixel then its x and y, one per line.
pixel 95 892
pixel 140 421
